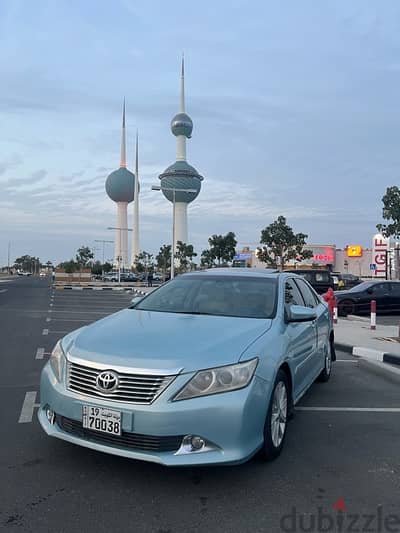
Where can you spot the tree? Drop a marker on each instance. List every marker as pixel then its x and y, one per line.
pixel 222 247
pixel 391 211
pixel 163 258
pixel 206 259
pixel 83 256
pixel 281 244
pixel 27 263
pixel 184 253
pixel 143 262
pixel 69 266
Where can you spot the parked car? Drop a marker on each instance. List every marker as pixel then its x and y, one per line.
pixel 128 277
pixel 350 280
pixel 234 351
pixel 23 273
pixel 358 299
pixel 321 280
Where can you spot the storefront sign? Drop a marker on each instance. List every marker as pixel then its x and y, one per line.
pixel 380 249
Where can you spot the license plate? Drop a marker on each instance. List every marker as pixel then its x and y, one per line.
pixel 101 419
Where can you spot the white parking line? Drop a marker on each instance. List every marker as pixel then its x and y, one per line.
pixel 45 332
pixel 28 407
pixel 48 319
pixel 352 409
pixel 346 361
pixel 39 353
pixel 3 290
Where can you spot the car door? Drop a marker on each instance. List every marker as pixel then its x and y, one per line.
pixel 394 296
pixel 302 341
pixel 321 325
pixel 380 292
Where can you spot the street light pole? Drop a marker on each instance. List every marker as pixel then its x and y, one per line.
pixel 174 191
pixel 119 259
pixel 103 241
pixel 8 257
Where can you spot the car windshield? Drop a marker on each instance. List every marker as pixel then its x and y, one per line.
pixel 236 296
pixel 361 286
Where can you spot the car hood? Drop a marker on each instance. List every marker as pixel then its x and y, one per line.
pixel 164 341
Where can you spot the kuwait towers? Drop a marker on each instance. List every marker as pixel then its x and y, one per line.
pixel 180 182
pixel 120 187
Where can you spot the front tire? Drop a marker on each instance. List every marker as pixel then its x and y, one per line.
pixel 276 419
pixel 346 307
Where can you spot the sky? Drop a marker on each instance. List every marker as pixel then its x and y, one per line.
pixel 295 108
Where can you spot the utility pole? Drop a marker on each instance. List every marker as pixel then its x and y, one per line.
pixel 8 257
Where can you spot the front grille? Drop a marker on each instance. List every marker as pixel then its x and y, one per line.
pixel 134 441
pixel 132 388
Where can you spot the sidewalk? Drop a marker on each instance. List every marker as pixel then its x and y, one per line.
pixel 353 334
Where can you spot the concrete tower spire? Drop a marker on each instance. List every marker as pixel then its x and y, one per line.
pixel 182 96
pixel 135 232
pixel 180 182
pixel 120 187
pixel 123 140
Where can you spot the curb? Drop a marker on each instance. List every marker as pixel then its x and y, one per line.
pixel 369 353
pixel 140 293
pixel 71 288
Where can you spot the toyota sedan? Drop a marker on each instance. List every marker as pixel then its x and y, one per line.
pixel 206 369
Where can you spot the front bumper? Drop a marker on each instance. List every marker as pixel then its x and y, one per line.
pixel 232 423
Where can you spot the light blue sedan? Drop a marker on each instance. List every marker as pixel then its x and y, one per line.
pixel 204 370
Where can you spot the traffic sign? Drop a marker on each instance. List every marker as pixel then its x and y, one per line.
pixel 372 266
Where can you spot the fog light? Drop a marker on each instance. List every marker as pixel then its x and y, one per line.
pixel 196 443
pixel 51 415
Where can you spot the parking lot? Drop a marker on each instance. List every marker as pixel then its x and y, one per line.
pixel 341 457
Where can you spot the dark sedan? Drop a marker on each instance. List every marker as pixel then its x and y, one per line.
pixel 358 299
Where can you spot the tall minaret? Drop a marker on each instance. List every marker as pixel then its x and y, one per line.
pixel 181 177
pixel 120 187
pixel 135 232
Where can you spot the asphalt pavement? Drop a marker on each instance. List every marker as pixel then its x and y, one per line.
pixel 341 459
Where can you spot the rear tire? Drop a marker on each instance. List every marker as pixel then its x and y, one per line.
pixel 327 370
pixel 276 419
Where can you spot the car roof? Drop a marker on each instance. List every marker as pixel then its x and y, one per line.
pixel 242 272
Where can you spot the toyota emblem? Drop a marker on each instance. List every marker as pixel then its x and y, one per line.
pixel 107 381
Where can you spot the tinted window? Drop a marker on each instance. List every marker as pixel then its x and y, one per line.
pixel 215 295
pixel 310 300
pixel 292 294
pixel 395 289
pixel 380 288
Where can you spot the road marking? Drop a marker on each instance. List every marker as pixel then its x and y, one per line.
pixel 346 361
pixel 45 332
pixel 52 331
pixel 81 320
pixel 28 407
pixel 3 290
pixel 40 353
pixel 352 409
pixel 50 304
pixel 48 319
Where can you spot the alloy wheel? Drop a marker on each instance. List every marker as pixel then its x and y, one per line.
pixel 279 414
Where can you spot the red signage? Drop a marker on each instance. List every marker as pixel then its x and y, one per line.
pixel 380 247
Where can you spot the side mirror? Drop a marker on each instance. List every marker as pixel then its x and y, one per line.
pixel 136 300
pixel 299 313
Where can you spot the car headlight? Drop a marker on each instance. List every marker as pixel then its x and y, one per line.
pixel 220 379
pixel 57 361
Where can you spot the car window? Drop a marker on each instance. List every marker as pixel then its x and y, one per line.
pixel 395 287
pixel 215 295
pixel 322 276
pixel 310 299
pixel 380 288
pixel 292 294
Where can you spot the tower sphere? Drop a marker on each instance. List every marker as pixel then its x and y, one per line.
pixel 181 175
pixel 120 185
pixel 182 124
